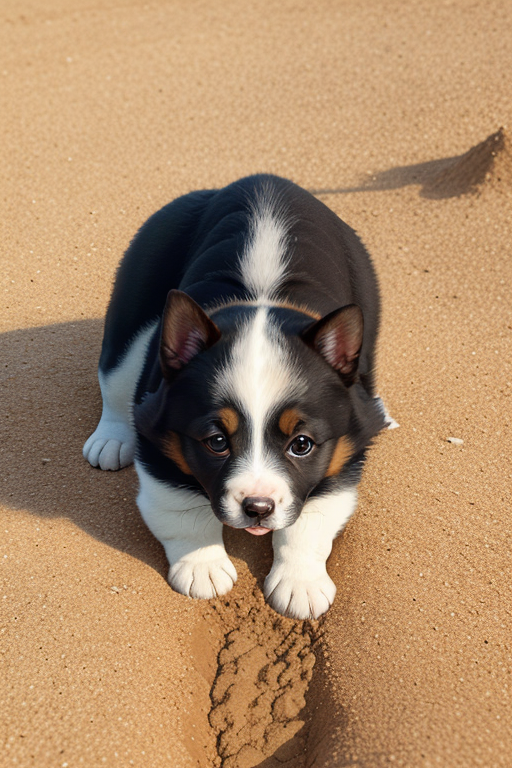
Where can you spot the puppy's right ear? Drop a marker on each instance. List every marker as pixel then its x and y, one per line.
pixel 338 337
pixel 186 331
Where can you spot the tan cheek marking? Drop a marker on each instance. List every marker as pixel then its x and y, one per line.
pixel 229 418
pixel 171 447
pixel 288 421
pixel 342 453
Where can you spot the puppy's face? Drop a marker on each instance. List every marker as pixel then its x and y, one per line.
pixel 256 414
pixel 258 476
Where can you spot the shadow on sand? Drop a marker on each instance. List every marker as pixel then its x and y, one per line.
pixel 51 403
pixel 444 178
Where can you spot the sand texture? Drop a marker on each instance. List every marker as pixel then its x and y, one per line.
pixel 399 117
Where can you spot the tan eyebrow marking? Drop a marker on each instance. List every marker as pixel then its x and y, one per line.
pixel 288 421
pixel 340 456
pixel 229 419
pixel 171 447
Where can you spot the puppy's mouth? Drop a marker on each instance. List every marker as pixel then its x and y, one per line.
pixel 258 530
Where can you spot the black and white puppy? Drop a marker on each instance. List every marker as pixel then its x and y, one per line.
pixel 237 368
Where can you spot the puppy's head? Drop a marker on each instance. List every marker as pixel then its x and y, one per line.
pixel 260 404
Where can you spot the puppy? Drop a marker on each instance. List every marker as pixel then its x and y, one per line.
pixel 237 370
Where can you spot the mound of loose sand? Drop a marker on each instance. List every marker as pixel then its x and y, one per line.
pixel 487 163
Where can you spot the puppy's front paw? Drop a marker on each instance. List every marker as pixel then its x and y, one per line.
pixel 300 594
pixel 202 578
pixel 111 445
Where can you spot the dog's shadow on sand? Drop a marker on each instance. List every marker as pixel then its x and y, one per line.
pixel 51 404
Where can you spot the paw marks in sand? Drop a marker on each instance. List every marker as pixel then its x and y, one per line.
pixel 263 674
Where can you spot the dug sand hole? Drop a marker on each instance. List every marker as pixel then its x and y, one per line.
pixel 258 697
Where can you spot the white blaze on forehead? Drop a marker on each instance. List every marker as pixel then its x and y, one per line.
pixel 264 260
pixel 259 376
pixel 260 373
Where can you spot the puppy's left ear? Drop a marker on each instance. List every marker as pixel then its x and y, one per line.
pixel 338 338
pixel 186 331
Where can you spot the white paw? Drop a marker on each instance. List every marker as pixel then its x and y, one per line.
pixel 111 446
pixel 206 579
pixel 304 593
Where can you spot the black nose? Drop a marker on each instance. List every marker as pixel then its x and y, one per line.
pixel 258 506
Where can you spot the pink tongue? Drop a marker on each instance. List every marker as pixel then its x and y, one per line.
pixel 257 530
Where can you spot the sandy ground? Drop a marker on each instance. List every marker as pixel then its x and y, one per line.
pixel 109 110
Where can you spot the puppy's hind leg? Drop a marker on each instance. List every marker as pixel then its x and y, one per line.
pixel 112 444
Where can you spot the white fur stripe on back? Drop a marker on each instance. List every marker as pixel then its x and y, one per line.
pixel 264 261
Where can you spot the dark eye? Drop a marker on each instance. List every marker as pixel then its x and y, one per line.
pixel 217 444
pixel 301 446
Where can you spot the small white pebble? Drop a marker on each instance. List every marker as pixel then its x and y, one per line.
pixel 455 440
